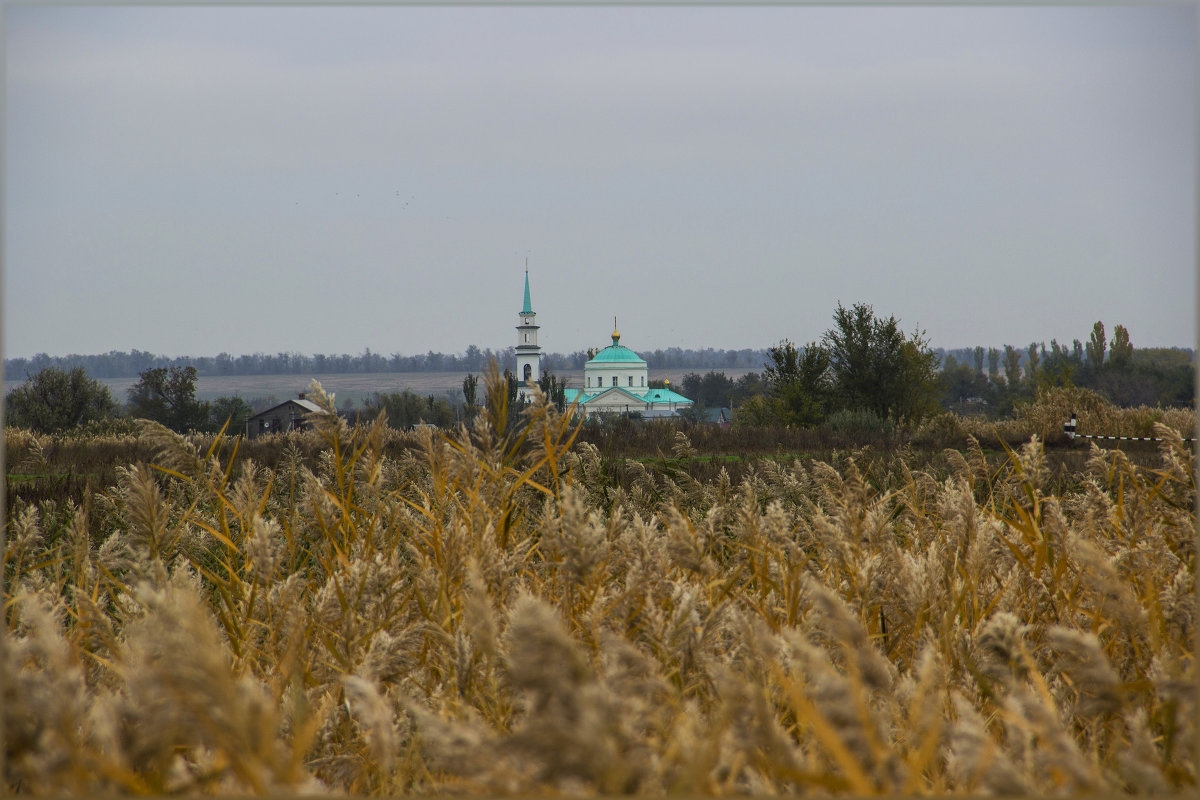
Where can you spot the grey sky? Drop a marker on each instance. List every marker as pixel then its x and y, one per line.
pixel 206 179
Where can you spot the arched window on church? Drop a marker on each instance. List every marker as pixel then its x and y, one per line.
pixel 528 372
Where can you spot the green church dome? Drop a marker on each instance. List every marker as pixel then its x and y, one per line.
pixel 617 354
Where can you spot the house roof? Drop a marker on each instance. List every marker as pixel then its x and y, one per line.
pixel 652 396
pixel 307 405
pixel 664 396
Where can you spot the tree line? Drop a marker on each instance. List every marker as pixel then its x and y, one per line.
pixel 865 371
pixel 1114 368
pixel 864 364
pixel 116 364
pixel 55 400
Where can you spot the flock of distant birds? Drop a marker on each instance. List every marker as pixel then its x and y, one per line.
pixel 359 194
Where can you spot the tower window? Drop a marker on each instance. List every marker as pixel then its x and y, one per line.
pixel 614 380
pixel 631 380
pixel 528 372
pixel 643 380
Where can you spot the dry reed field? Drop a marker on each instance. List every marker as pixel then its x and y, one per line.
pixel 487 612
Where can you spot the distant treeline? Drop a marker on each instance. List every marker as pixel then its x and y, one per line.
pixel 1124 375
pixel 115 364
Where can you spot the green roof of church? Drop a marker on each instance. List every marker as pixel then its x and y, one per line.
pixel 528 308
pixel 617 353
pixel 652 397
pixel 664 396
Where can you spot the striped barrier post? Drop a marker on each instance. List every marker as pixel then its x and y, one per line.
pixel 1069 430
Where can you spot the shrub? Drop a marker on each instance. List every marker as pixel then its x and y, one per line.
pixel 860 424
pixel 56 400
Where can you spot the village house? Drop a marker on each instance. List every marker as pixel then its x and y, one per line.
pixel 287 416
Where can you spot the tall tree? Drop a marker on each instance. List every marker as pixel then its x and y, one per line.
pixel 516 401
pixel 915 395
pixel 233 410
pixel 749 385
pixel 798 382
pixel 1096 346
pixel 858 348
pixel 958 381
pixel 978 353
pixel 1012 367
pixel 1057 367
pixel 1120 353
pixel 1031 363
pixel 711 390
pixel 473 358
pixel 56 400
pixel 784 366
pixel 470 383
pixel 555 391
pixel 168 395
pixel 993 363
pixel 876 368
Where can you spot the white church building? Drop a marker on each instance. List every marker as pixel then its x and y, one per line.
pixel 614 379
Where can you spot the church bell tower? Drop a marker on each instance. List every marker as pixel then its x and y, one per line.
pixel 529 353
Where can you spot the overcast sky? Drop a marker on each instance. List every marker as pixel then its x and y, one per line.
pixel 322 180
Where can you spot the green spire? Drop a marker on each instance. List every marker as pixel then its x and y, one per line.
pixel 528 309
